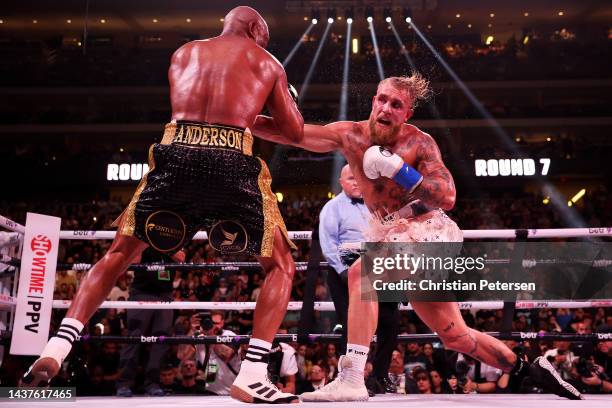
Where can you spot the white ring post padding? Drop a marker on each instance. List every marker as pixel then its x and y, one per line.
pixel 329 306
pixel 11 225
pixel 468 234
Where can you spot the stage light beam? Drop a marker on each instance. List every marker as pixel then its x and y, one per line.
pixel 381 72
pixel 297 45
pixel 313 64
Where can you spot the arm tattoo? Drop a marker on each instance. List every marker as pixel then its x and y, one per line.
pixel 437 188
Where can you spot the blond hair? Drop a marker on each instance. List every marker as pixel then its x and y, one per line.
pixel 415 85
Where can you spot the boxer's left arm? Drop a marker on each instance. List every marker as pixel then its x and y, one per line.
pixel 429 180
pixel 281 104
pixel 438 187
pixel 317 138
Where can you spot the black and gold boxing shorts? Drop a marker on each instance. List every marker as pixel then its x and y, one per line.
pixel 204 177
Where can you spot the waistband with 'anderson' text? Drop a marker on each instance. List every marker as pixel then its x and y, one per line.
pixel 205 135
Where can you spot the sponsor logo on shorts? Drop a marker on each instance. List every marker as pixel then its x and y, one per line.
pixel 228 236
pixel 210 136
pixel 165 230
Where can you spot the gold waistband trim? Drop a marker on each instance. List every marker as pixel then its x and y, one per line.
pixel 204 135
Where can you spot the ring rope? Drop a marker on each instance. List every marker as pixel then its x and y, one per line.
pixel 468 234
pixel 7 302
pixel 329 306
pixel 306 235
pixel 288 338
pixel 300 266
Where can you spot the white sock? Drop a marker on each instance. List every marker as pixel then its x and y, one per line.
pixel 256 359
pixel 358 355
pixel 59 346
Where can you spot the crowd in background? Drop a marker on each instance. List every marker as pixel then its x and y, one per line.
pixel 415 368
pixel 52 62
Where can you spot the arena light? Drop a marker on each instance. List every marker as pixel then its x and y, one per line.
pixel 369 13
pixel 331 15
pixel 280 197
pixel 388 14
pixel 578 195
pixel 381 72
pixel 315 16
pixel 344 90
pixel 489 40
pixel 349 14
pixel 353 44
pixel 546 200
pixel 407 15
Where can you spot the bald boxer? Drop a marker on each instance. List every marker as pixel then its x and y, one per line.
pixel 203 176
pixel 406 187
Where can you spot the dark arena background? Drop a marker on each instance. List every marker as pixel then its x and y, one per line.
pixel 521 110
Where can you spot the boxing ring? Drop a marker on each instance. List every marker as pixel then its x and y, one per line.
pixel 8 302
pixel 381 401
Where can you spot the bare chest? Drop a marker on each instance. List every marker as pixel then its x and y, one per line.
pixel 382 195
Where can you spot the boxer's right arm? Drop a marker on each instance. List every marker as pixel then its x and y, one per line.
pixel 317 138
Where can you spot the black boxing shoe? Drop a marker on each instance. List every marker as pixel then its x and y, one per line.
pixel 545 375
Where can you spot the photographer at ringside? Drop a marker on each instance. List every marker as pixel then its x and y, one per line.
pixel 223 363
pixel 595 371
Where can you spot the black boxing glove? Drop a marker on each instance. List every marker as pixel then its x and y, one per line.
pixel 293 92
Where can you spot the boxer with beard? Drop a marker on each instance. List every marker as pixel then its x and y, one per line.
pixel 406 187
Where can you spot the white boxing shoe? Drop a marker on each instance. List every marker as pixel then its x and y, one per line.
pixel 253 388
pixel 348 386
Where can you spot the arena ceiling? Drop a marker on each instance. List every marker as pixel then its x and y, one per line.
pixel 288 17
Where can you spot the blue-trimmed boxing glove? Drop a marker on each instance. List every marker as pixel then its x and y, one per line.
pixel 380 162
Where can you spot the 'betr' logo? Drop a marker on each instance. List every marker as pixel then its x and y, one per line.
pixel 41 243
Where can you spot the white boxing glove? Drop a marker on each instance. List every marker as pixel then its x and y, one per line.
pixel 380 162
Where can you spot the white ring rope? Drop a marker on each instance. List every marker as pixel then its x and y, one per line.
pixel 11 225
pixel 329 306
pixel 468 234
pixel 306 235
